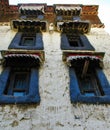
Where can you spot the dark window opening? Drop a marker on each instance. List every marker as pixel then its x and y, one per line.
pixel 66 13
pixel 28 41
pixel 18 83
pixel 69 12
pixel 60 12
pixel 73 12
pixel 74 41
pixel 87 79
pixel 78 12
pixel 89 85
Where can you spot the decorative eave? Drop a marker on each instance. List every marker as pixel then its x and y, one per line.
pixel 63 7
pixel 26 57
pixel 70 55
pixel 31 7
pixel 68 7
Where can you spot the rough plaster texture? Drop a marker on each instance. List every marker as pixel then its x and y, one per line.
pixel 55 111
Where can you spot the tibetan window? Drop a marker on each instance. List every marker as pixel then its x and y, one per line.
pixel 19 81
pixel 88 83
pixel 28 36
pixel 73 38
pixel 75 41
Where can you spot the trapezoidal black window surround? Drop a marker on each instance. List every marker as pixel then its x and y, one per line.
pixel 27 41
pixel 75 41
pixel 72 36
pixel 88 83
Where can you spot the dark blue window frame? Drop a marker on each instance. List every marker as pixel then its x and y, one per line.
pixel 33 94
pixel 65 45
pixel 16 42
pixel 75 93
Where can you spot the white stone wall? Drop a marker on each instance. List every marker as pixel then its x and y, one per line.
pixel 55 111
pixel 101 41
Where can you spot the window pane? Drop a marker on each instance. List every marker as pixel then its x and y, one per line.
pixel 86 83
pixel 89 94
pixel 28 41
pixel 18 94
pixel 89 85
pixel 73 43
pixel 20 81
pixel 74 40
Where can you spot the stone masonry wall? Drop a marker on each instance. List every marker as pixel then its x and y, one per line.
pixel 55 111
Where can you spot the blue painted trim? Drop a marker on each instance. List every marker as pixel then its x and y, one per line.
pixel 15 44
pixel 3 79
pixel 34 82
pixel 76 96
pixel 33 95
pixel 39 42
pixel 66 46
pixel 74 87
pixel 103 81
pixel 16 40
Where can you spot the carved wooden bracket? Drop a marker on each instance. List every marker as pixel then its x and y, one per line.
pixel 74 26
pixel 28 25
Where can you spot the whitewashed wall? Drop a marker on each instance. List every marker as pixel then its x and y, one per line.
pixel 55 111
